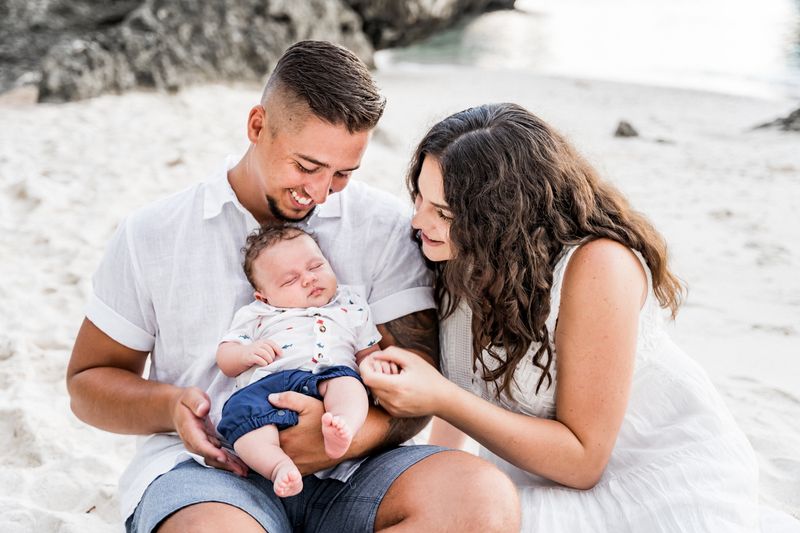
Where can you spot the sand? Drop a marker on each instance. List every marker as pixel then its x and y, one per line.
pixel 725 197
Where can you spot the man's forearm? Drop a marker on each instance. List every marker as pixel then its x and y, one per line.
pixel 417 332
pixel 119 401
pixel 106 388
pixel 381 431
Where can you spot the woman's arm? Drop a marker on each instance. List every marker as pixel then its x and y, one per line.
pixel 602 293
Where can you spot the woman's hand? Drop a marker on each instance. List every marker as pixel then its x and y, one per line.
pixel 418 390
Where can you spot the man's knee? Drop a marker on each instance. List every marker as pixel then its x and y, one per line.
pixel 210 517
pixel 452 491
pixel 490 498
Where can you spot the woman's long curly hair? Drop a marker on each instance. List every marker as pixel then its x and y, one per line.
pixel 520 195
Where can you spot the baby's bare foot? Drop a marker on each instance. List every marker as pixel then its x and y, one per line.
pixel 336 434
pixel 286 479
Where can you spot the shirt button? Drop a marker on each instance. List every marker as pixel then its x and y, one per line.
pixel 281 412
pixel 305 389
pixel 322 329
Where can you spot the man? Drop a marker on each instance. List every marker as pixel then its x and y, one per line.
pixel 171 280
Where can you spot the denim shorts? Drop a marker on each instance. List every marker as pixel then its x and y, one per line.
pixel 248 409
pixel 324 505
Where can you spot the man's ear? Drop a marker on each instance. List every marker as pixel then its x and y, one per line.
pixel 260 297
pixel 256 122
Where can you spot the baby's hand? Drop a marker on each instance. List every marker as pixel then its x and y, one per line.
pixel 383 367
pixel 261 352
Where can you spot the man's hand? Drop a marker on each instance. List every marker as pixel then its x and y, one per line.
pixel 189 410
pixel 303 442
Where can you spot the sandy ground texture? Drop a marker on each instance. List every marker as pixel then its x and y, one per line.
pixel 725 196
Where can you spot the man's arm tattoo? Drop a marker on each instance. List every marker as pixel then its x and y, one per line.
pixel 418 332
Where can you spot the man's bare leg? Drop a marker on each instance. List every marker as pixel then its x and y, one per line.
pixel 210 517
pixel 450 491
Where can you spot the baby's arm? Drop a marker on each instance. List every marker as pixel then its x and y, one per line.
pixel 233 358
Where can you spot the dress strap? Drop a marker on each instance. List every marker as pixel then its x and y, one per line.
pixel 555 290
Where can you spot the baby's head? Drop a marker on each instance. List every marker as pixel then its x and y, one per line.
pixel 287 269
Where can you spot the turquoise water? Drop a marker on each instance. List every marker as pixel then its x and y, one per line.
pixel 731 46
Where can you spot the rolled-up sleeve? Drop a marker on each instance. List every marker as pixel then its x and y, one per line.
pixel 401 281
pixel 120 305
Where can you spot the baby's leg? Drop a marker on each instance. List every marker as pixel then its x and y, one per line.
pixel 260 450
pixel 346 407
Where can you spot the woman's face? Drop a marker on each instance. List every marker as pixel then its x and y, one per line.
pixel 432 216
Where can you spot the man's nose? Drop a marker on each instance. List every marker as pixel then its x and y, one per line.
pixel 318 187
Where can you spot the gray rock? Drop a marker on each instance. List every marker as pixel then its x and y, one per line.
pixel 394 23
pixel 30 28
pixel 789 123
pixel 73 49
pixel 624 129
pixel 168 44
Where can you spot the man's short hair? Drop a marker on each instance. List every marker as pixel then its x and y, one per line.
pixel 332 81
pixel 265 237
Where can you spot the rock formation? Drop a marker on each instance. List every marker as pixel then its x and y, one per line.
pixel 73 49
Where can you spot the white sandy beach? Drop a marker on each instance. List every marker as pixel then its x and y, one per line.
pixel 726 197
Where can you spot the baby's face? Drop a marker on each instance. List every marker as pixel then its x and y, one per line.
pixel 294 273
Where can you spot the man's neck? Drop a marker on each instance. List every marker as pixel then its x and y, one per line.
pixel 238 178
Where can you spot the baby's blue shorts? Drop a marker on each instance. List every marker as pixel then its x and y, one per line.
pixel 248 409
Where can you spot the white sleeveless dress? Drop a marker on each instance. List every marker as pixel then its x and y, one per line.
pixel 680 463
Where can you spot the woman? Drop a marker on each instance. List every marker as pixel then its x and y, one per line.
pixel 551 290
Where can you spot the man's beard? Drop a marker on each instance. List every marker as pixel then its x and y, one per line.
pixel 276 212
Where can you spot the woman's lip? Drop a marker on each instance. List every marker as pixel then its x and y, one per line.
pixel 429 241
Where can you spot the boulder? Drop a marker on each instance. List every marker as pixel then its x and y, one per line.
pixel 390 23
pixel 73 49
pixel 791 122
pixel 168 44
pixel 625 129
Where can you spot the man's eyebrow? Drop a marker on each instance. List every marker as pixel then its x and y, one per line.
pixel 321 164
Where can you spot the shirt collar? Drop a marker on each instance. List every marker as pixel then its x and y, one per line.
pixel 218 192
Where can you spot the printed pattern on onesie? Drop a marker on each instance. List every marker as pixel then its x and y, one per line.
pixel 310 338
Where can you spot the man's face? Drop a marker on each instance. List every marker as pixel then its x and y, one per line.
pixel 297 166
pixel 294 273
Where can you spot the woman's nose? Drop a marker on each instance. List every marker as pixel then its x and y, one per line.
pixel 416 220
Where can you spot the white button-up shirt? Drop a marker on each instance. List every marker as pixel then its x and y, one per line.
pixel 171 280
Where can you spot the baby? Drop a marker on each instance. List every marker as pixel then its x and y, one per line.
pixel 302 333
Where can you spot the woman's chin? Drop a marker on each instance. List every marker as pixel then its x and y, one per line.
pixel 436 255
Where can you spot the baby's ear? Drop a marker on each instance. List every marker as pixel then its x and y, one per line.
pixel 260 297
